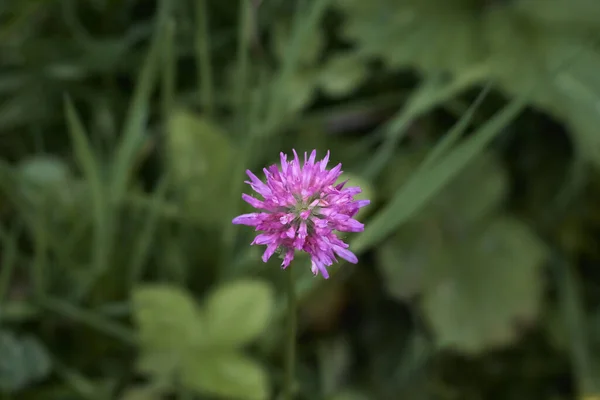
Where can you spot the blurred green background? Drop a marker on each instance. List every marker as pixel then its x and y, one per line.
pixel 125 130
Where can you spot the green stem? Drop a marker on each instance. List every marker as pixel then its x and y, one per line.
pixel 290 352
pixel 203 58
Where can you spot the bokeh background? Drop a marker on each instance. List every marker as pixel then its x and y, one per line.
pixel 125 130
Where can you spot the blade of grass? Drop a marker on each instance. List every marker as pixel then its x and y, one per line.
pixel 203 57
pixel 8 262
pixel 455 133
pixel 147 234
pixel 41 244
pixel 88 318
pixel 100 208
pixel 431 94
pixel 574 320
pixel 76 381
pixel 421 187
pixel 135 121
pixel 242 73
pixel 169 68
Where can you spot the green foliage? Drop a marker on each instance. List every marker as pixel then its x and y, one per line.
pixel 476 273
pixel 489 284
pixel 23 361
pixel 199 346
pixel 125 130
pixel 238 313
pixel 228 375
pixel 338 76
pixel 518 42
pixel 200 156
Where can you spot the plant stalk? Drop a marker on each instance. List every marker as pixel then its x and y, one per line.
pixel 290 352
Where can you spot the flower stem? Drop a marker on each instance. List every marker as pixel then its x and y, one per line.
pixel 290 352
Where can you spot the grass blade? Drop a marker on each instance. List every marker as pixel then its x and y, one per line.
pixel 101 211
pixel 423 186
pixel 147 234
pixel 135 122
pixel 428 96
pixel 88 318
pixel 8 262
pixel 203 57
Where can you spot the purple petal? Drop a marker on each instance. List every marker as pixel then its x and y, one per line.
pixel 258 185
pixel 311 159
pixel 254 202
pixel 265 238
pixel 317 267
pixel 350 225
pixel 362 203
pixel 289 256
pixel 271 248
pixel 345 254
pixel 284 163
pixel 324 162
pixel 247 219
pixel 340 186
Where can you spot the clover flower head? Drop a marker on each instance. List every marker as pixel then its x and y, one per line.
pixel 302 209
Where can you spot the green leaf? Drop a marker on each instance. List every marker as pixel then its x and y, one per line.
pixel 311 48
pixel 553 12
pixel 45 178
pixel 342 74
pixel 200 156
pixel 577 97
pixel 228 375
pixel 44 171
pixel 23 361
pixel 409 259
pixel 459 206
pixel 491 283
pixel 161 366
pixel 167 318
pixel 238 313
pixel 145 392
pixel 299 90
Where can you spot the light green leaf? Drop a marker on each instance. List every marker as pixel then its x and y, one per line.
pixel 44 178
pixel 23 361
pixel 342 74
pixel 553 12
pixel 142 393
pixel 350 394
pixel 311 49
pixel 238 313
pixel 44 171
pixel 167 318
pixel 577 97
pixel 228 375
pixel 299 90
pixel 491 284
pixel 200 156
pixel 161 366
